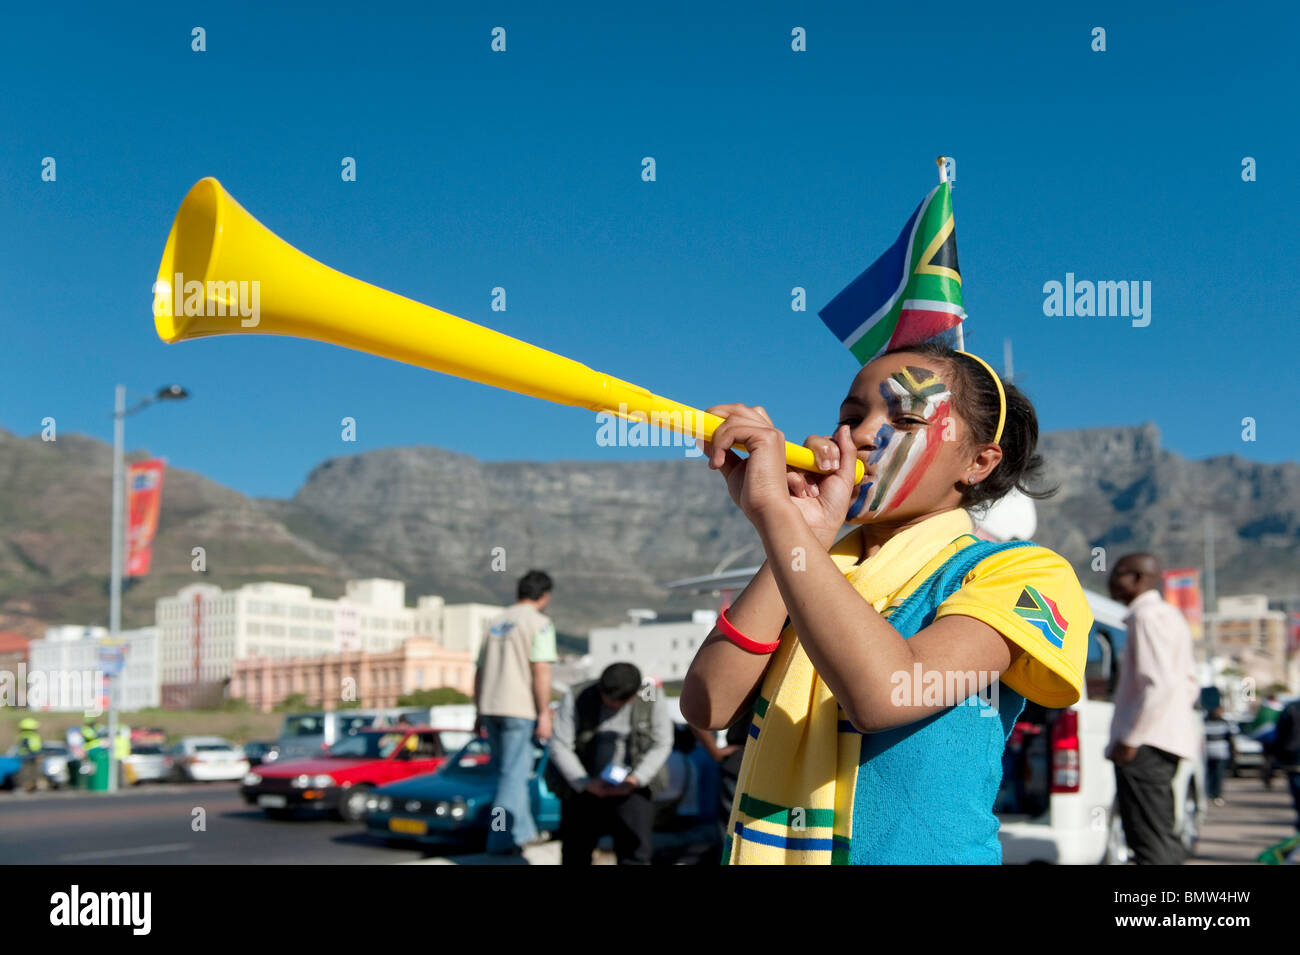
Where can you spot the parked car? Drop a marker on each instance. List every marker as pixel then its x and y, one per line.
pixel 313 732
pixel 9 766
pixel 455 804
pixel 261 752
pixel 54 766
pixel 147 736
pixel 1057 802
pixel 146 763
pixel 340 780
pixel 206 759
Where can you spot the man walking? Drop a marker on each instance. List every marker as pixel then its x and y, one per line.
pixel 1153 726
pixel 608 754
pixel 512 696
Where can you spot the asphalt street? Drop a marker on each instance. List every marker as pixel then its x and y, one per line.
pixel 199 824
pixel 209 824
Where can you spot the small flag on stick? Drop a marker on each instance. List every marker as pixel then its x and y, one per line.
pixel 910 294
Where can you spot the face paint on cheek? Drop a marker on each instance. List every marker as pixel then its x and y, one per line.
pixel 932 442
pixel 905 461
pixel 884 436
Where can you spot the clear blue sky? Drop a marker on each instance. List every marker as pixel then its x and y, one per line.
pixel 522 170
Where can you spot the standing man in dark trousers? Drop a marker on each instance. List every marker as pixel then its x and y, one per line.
pixel 1154 726
pixel 607 758
pixel 512 696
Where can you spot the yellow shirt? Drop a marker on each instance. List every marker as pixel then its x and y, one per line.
pixel 1032 597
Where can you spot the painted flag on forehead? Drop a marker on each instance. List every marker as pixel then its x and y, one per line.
pixel 910 294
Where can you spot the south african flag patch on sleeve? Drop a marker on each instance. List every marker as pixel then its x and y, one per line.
pixel 1043 613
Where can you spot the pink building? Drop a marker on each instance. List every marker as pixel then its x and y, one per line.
pixel 373 679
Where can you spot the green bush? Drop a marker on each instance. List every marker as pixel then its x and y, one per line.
pixel 294 701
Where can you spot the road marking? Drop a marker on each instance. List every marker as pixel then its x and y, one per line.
pixel 138 851
pixel 547 853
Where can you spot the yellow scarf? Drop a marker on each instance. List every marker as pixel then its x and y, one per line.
pixel 794 795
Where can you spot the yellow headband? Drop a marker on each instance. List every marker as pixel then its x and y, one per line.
pixel 1002 395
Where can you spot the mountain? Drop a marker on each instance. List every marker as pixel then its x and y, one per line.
pixel 1118 489
pixel 608 532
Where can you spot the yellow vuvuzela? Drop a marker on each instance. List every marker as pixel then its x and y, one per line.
pixel 223 272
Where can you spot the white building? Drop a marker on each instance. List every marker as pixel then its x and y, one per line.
pixel 209 628
pixel 69 657
pixel 1252 637
pixel 661 647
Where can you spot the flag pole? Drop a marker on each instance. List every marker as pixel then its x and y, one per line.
pixel 943 177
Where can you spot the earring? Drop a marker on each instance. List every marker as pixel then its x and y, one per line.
pixel 970 480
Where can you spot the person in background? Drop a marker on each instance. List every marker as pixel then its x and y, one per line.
pixel 29 751
pixel 607 759
pixel 719 754
pixel 1153 726
pixel 121 750
pixel 1285 751
pixel 1218 753
pixel 512 696
pixel 728 758
pixel 403 725
pixel 1266 715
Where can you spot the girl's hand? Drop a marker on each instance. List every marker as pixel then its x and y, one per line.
pixel 762 483
pixel 824 498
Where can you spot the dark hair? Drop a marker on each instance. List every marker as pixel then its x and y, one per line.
pixel 620 681
pixel 533 585
pixel 975 399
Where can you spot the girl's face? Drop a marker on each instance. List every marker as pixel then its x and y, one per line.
pixel 913 445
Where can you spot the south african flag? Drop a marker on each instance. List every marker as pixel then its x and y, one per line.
pixel 1043 613
pixel 910 294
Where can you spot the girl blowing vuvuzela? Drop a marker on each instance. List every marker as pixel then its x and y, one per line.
pixel 884 671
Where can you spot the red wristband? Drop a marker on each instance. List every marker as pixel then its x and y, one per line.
pixel 742 641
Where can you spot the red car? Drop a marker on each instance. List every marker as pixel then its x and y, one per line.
pixel 340 780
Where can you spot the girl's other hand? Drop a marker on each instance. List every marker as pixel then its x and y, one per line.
pixel 762 482
pixel 756 483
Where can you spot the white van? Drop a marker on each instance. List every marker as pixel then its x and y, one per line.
pixel 1057 802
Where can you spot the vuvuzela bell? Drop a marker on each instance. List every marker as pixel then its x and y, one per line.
pixel 218 244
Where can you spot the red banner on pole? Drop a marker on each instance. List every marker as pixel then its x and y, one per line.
pixel 1183 590
pixel 144 499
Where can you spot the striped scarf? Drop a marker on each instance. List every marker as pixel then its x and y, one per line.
pixel 794 795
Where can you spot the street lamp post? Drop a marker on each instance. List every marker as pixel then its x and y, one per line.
pixel 120 412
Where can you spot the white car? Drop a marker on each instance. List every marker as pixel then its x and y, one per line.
pixel 207 759
pixel 1057 803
